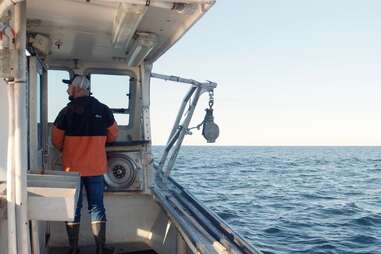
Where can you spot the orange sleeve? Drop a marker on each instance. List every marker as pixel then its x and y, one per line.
pixel 112 132
pixel 58 137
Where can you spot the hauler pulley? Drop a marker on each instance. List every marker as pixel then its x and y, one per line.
pixel 210 130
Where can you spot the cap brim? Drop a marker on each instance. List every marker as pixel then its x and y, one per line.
pixel 67 81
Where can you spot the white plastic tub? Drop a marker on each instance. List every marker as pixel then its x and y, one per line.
pixel 52 197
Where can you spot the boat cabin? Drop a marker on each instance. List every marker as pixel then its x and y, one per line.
pixel 114 43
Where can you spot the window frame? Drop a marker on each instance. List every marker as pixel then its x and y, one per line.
pixel 132 87
pixel 37 113
pixel 40 118
pixel 71 74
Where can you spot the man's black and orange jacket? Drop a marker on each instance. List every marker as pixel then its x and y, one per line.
pixel 81 131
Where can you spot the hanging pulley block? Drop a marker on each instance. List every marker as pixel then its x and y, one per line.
pixel 210 130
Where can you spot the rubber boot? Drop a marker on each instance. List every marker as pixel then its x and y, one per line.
pixel 99 233
pixel 73 235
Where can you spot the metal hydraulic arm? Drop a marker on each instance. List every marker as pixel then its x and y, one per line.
pixel 184 116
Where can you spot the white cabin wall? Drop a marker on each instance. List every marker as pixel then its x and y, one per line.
pixel 3 131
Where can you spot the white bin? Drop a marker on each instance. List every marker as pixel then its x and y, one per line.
pixel 52 197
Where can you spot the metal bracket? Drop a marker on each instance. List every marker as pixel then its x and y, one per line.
pixel 209 85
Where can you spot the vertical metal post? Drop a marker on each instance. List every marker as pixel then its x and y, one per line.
pixel 145 70
pixel 21 146
pixel 44 120
pixel 145 73
pixel 11 198
pixel 35 237
pixel 32 106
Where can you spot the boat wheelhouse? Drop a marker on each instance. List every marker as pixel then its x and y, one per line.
pixel 115 43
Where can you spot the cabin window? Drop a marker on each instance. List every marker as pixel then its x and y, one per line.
pixel 114 91
pixel 57 95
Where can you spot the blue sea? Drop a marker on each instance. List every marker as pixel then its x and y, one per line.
pixel 290 199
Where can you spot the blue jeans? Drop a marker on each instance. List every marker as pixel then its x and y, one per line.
pixel 94 191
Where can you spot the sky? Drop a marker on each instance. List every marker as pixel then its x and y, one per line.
pixel 290 72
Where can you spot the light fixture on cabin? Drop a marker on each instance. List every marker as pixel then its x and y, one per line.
pixel 142 46
pixel 184 8
pixel 126 21
pixel 42 44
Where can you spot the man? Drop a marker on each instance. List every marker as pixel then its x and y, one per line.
pixel 81 131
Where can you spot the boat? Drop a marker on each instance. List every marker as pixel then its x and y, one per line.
pixel 115 43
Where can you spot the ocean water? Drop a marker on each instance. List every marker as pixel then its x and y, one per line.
pixel 290 199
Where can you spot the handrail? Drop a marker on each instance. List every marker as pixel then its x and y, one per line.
pixel 216 221
pixel 207 223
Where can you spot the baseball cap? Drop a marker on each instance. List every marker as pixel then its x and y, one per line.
pixel 78 80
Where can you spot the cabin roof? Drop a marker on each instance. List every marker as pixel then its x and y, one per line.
pixel 86 30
